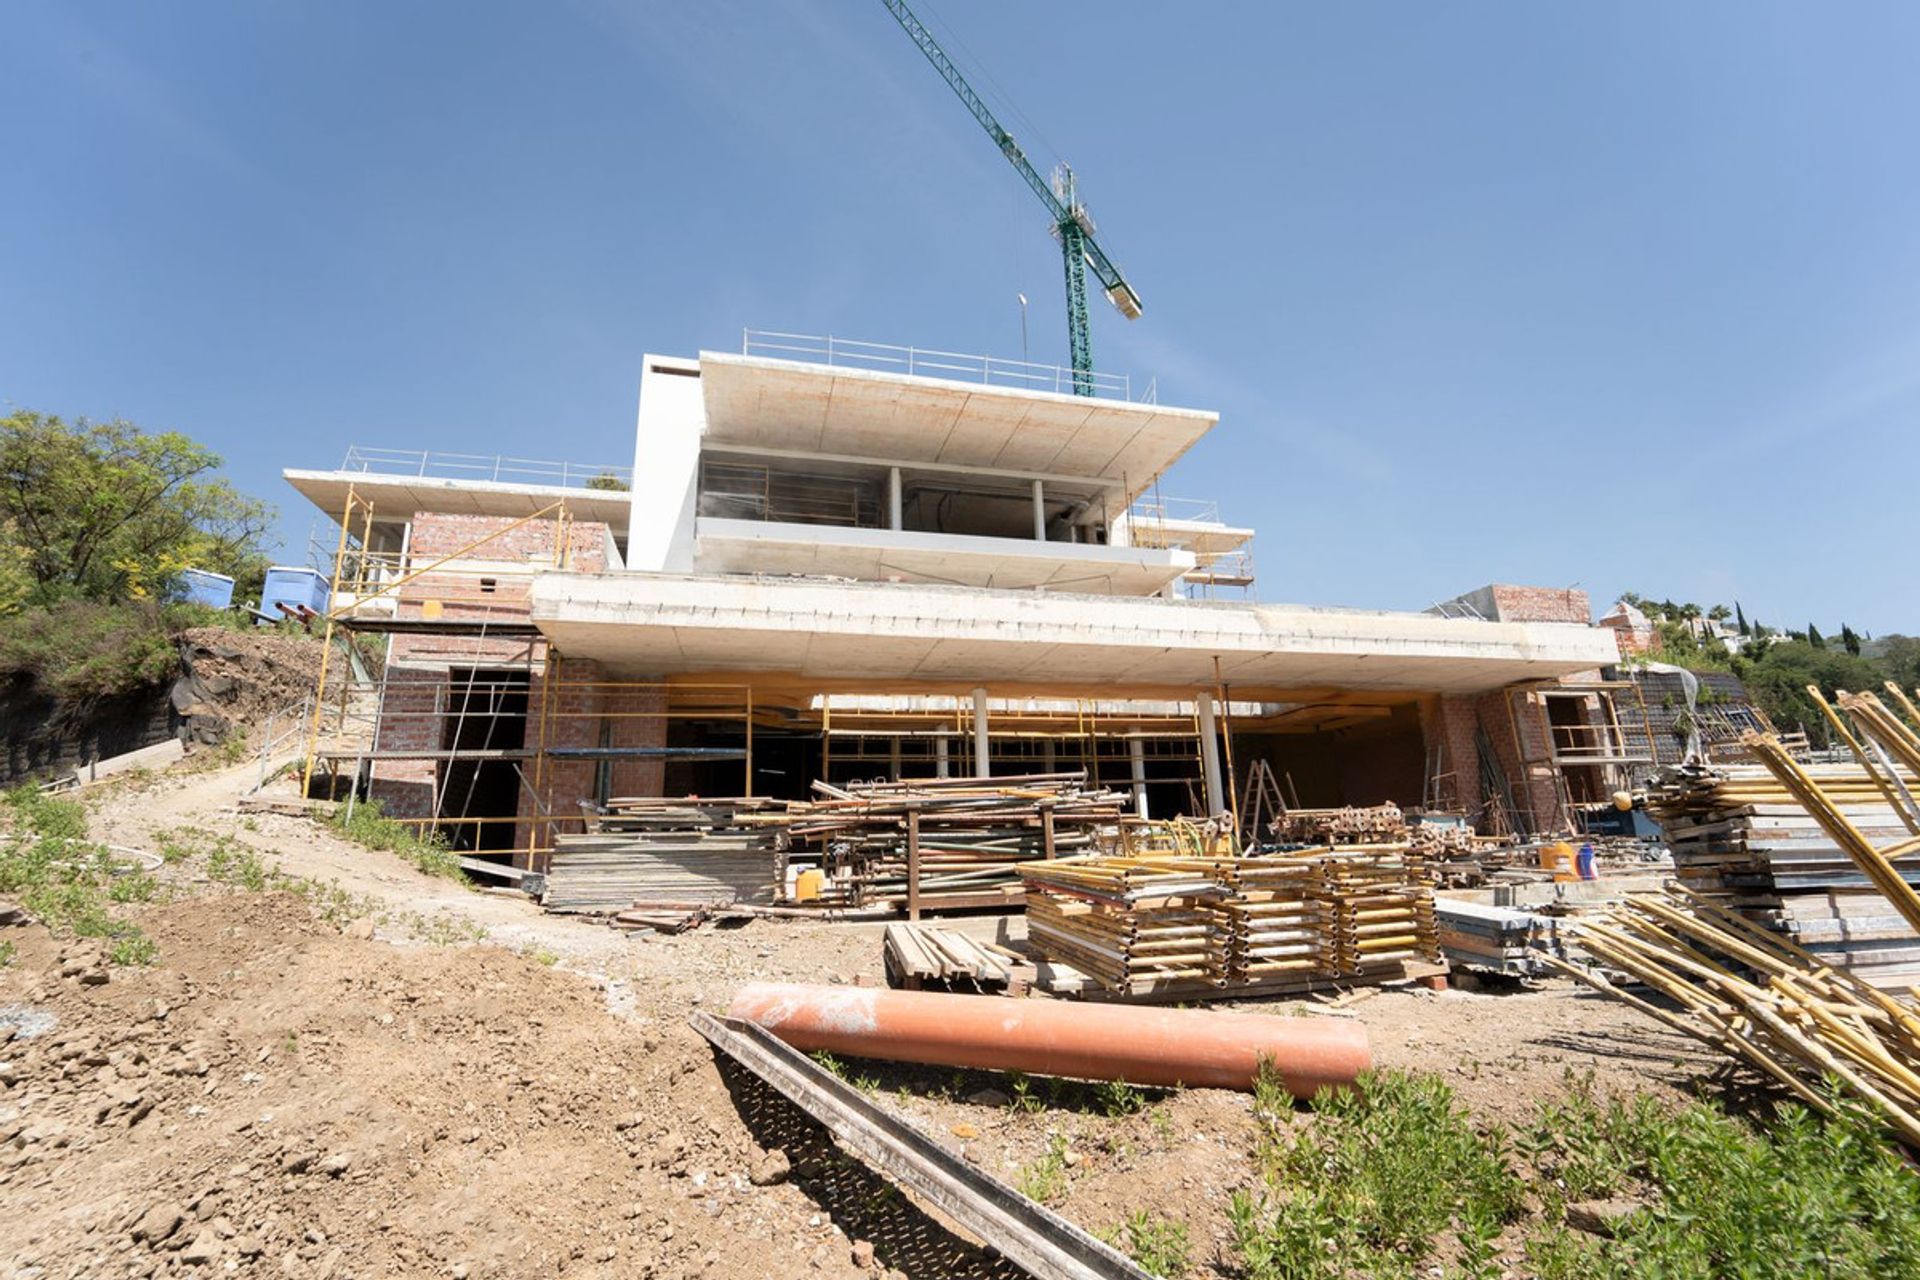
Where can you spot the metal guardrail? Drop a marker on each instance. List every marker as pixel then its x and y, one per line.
pixel 1195 510
pixel 476 466
pixel 926 362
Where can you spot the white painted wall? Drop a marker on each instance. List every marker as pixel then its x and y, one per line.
pixel 666 466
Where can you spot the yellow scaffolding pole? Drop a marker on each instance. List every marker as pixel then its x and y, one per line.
pixel 326 642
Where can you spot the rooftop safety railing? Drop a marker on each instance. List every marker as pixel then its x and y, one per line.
pixel 1188 510
pixel 476 466
pixel 925 362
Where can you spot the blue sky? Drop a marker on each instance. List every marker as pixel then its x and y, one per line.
pixel 1619 295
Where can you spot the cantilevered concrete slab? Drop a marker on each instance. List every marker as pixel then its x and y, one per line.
pixel 404 497
pixel 667 623
pixel 770 547
pixel 832 409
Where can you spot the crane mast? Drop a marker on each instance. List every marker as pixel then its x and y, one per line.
pixel 1072 226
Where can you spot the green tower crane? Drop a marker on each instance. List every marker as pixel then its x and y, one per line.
pixel 1072 226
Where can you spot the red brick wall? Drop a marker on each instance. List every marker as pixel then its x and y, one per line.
pixel 1448 723
pixel 583 701
pixel 1541 604
pixel 413 714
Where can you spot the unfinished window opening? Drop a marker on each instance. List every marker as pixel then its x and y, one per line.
pixel 742 491
pixel 488 585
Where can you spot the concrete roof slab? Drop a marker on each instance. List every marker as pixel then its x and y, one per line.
pixel 785 404
pixel 886 630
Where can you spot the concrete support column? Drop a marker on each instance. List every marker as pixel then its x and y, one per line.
pixel 1039 512
pixel 942 761
pixel 1137 760
pixel 896 504
pixel 1046 755
pixel 1210 758
pixel 893 756
pixel 982 766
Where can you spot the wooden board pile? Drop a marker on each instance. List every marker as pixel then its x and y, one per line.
pixel 1740 838
pixel 680 851
pixel 1272 923
pixel 1748 991
pixel 973 835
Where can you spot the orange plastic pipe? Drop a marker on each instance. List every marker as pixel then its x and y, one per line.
pixel 1147 1046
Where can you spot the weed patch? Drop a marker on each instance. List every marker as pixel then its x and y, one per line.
pixel 1158 1244
pixel 1392 1178
pixel 1045 1180
pixel 58 875
pixel 371 827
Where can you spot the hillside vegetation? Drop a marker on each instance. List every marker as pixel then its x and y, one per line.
pixel 97 523
pixel 1776 665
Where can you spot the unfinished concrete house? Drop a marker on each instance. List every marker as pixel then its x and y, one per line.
pixel 844 561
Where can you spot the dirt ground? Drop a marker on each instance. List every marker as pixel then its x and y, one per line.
pixel 427 1080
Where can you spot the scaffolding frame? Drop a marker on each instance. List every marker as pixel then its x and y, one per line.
pixel 457 596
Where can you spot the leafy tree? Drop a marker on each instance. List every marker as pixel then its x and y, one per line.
pixel 16 581
pixel 1719 613
pixel 105 511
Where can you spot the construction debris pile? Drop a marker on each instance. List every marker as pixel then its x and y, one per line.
pixel 1378 824
pixel 668 854
pixel 1165 925
pixel 928 843
pixel 949 842
pixel 1741 839
pixel 1748 991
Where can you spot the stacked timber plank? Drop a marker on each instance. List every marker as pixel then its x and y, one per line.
pixel 1290 922
pixel 658 850
pixel 1742 841
pixel 970 836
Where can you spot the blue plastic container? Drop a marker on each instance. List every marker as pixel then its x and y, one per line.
pixel 197 586
pixel 296 586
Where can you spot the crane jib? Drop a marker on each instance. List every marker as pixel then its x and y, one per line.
pixel 1070 222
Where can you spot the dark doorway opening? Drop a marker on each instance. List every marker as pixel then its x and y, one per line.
pixel 480 796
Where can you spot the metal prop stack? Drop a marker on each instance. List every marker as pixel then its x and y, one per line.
pixel 1163 925
pixel 1127 923
pixel 1377 911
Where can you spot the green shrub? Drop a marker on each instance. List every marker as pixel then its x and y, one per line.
pixel 80 650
